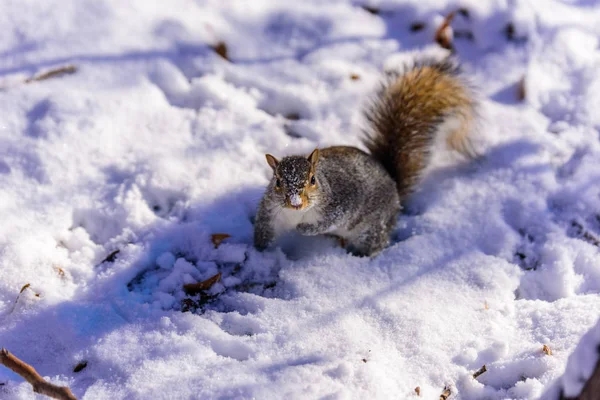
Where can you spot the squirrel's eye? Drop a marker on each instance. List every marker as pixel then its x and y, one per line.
pixel 313 180
pixel 278 183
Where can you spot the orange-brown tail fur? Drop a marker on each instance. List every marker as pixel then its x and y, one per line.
pixel 412 108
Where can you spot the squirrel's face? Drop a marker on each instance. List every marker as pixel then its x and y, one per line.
pixel 294 181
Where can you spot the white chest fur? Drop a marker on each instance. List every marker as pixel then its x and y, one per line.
pixel 286 219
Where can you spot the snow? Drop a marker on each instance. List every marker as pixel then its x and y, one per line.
pixel 114 178
pixel 580 366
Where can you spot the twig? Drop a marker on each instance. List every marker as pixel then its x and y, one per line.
pixel 53 73
pixel 445 394
pixel 443 35
pixel 521 89
pixel 586 235
pixel 480 371
pixel 28 373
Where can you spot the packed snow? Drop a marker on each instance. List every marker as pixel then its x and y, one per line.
pixel 114 178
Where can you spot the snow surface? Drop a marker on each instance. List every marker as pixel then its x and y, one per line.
pixel 156 142
pixel 580 366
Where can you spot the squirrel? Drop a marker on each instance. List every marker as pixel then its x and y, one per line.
pixel 355 195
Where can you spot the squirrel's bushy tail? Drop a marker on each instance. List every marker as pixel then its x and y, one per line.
pixel 427 99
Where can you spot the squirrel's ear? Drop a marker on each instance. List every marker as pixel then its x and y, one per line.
pixel 272 161
pixel 314 157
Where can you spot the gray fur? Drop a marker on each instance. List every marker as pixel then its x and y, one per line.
pixel 358 195
pixel 355 199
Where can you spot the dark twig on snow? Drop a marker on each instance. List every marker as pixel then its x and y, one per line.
pixel 480 371
pixel 28 373
pixel 53 73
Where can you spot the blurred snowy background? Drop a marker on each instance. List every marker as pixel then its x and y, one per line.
pixel 132 131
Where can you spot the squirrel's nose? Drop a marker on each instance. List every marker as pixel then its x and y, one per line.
pixel 295 200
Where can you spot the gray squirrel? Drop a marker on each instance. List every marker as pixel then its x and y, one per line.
pixel 346 192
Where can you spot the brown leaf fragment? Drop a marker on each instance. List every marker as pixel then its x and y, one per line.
pixel 480 371
pixel 221 49
pixel 418 390
pixel 547 350
pixel 24 287
pixel 193 288
pixel 80 367
pixel 217 238
pixel 60 271
pixel 53 73
pixel 354 77
pixel 443 35
pixel 445 394
pixel 417 26
pixel 364 360
pixel 521 92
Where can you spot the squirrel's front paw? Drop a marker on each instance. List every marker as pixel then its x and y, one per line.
pixel 307 229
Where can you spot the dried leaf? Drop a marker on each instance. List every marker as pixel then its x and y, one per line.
pixel 192 288
pixel 217 238
pixel 418 390
pixel 60 271
pixel 445 394
pixel 547 350
pixel 24 287
pixel 79 367
pixel 443 35
pixel 221 49
pixel 480 371
pixel 364 360
pixel 54 73
pixel 354 77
